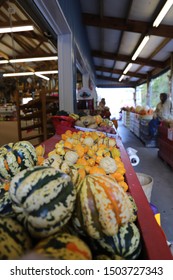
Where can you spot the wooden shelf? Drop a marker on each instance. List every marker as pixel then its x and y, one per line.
pixel 36 115
pixel 32 126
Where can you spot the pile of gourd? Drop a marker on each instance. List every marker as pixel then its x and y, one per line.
pixel 72 205
pixel 94 122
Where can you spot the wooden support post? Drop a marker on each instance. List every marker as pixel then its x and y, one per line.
pixel 44 115
pixel 149 89
pixel 171 77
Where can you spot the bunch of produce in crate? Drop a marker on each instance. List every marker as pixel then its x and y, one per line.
pixel 96 122
pixel 84 121
pixel 74 204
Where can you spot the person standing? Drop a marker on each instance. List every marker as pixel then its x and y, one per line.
pixel 164 107
pixel 103 110
pixel 164 110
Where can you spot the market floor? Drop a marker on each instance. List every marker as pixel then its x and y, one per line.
pixel 151 164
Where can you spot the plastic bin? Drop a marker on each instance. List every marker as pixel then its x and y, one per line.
pixel 62 123
pixel 146 182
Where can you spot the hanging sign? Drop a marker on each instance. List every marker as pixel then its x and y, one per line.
pixel 84 94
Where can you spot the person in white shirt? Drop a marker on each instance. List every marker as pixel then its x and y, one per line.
pixel 164 107
pixel 164 110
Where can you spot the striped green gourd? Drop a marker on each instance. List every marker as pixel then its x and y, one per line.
pixel 102 206
pixel 134 208
pixel 126 243
pixel 43 199
pixel 16 157
pixel 63 246
pixel 14 240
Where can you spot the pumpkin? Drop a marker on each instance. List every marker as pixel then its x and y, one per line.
pixel 126 243
pixel 98 119
pixel 97 170
pixel 43 199
pixel 71 157
pixel 112 142
pixel 88 141
pixel 93 126
pixel 108 164
pixel 88 120
pixel 40 150
pixel 79 123
pixel 14 240
pixel 63 246
pixel 16 157
pixel 102 206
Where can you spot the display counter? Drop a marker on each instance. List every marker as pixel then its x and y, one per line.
pixel 165 145
pixel 153 239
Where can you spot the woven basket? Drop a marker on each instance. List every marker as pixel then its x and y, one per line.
pixel 146 182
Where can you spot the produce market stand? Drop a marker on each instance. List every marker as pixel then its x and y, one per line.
pixel 154 244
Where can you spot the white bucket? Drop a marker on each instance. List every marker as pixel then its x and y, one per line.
pixel 146 182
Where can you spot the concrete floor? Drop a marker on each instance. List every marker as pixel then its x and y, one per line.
pixel 151 164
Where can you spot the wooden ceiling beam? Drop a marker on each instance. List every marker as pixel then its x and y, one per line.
pixel 124 24
pixel 126 58
pixel 101 77
pixel 15 23
pixel 120 72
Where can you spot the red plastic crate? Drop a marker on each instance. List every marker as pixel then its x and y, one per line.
pixel 62 123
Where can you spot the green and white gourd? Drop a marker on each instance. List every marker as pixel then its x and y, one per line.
pixel 63 246
pixel 126 243
pixel 14 240
pixel 16 157
pixel 43 199
pixel 102 206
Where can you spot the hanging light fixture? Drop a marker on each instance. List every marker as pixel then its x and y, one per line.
pixel 141 46
pixel 33 59
pixel 30 73
pixel 162 13
pixel 16 29
pixel 127 68
pixel 121 78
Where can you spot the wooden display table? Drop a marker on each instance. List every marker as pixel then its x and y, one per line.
pixel 154 244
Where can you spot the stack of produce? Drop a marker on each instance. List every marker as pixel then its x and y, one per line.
pixel 72 205
pixel 95 122
pixel 141 110
pixel 85 121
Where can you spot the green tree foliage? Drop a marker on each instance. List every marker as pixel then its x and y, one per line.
pixel 158 85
